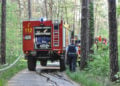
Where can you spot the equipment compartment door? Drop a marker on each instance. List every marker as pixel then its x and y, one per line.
pixel 42 37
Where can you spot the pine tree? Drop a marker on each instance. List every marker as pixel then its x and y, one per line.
pixel 3 33
pixel 29 9
pixel 84 34
pixel 91 25
pixel 45 2
pixel 51 9
pixel 113 47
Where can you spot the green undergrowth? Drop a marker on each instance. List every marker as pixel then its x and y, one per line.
pixel 13 42
pixel 98 70
pixel 83 78
pixel 99 60
pixel 6 75
pixel 13 32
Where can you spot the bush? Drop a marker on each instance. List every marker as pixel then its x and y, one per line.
pixel 100 60
pixel 83 78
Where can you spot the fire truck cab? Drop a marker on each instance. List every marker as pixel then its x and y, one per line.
pixel 43 41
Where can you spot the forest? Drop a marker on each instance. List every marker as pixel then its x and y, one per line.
pixel 91 20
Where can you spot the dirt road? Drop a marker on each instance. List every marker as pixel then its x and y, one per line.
pixel 43 76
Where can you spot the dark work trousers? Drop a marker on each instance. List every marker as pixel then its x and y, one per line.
pixel 72 62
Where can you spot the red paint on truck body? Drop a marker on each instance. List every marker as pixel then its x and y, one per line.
pixel 28 29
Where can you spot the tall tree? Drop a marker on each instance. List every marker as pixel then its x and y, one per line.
pixel 91 25
pixel 3 33
pixel 51 9
pixel 84 34
pixel 58 12
pixel 20 8
pixel 113 47
pixel 29 9
pixel 74 19
pixel 66 11
pixel 45 2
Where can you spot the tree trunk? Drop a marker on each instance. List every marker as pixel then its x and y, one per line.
pixel 66 14
pixel 74 20
pixel 29 9
pixel 51 7
pixel 96 19
pixel 19 3
pixel 45 1
pixel 84 34
pixel 91 25
pixel 58 13
pixel 62 12
pixel 113 47
pixel 3 33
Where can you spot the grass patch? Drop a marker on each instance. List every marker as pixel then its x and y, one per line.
pixel 89 79
pixel 6 75
pixel 13 42
pixel 83 78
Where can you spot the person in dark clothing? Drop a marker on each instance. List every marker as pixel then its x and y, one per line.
pixel 72 52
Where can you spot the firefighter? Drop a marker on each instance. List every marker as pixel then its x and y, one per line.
pixel 78 57
pixel 72 52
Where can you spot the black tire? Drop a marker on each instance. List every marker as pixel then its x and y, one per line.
pixel 62 64
pixel 43 62
pixel 31 63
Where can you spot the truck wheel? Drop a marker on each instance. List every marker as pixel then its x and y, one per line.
pixel 62 64
pixel 43 62
pixel 31 63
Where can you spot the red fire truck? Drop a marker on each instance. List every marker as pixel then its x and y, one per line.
pixel 43 41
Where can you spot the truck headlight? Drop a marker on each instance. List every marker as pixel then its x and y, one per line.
pixel 27 37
